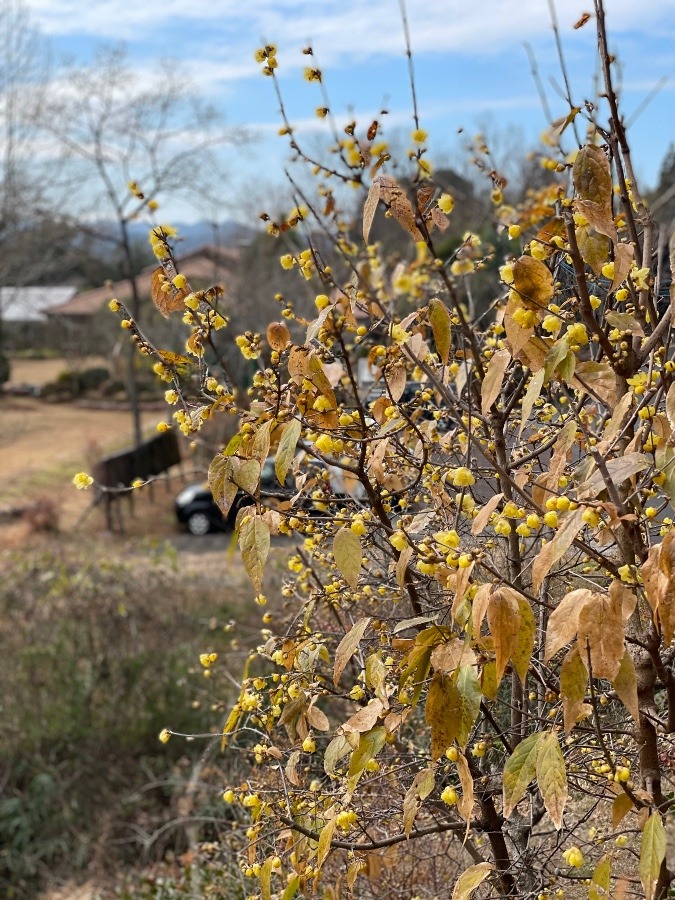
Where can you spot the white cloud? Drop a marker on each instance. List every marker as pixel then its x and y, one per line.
pixel 342 30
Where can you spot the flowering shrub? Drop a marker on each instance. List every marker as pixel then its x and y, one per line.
pixel 471 657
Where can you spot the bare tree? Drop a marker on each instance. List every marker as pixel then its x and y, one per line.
pixel 124 140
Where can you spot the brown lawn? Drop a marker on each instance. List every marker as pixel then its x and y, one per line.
pixel 42 445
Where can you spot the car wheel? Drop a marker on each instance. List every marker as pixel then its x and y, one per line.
pixel 199 524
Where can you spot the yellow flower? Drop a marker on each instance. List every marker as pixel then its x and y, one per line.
pixel 640 279
pixel 179 281
pixel 449 796
pixel 164 735
pixel 321 301
pixel 207 659
pixel 287 261
pixel 114 306
pixel 82 481
pixel 322 404
pixel 506 273
pixel 577 333
pixel 419 135
pixel 463 477
pixel 538 250
pixel 514 231
pixel 608 270
pixel 324 443
pixel 321 112
pixel 552 324
pixel 449 539
pixel 526 318
pixel 398 540
pixel 312 74
pixel 446 203
pixel 461 267
pixel 574 857
pixel 399 334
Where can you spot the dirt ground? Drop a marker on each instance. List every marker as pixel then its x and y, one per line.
pixel 42 445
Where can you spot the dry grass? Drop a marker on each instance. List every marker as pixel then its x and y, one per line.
pixel 41 371
pixel 43 445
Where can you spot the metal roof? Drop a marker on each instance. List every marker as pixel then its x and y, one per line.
pixel 29 304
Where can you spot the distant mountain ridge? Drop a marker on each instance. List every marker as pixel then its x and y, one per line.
pixel 227 233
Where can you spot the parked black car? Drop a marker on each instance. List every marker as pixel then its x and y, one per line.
pixel 196 508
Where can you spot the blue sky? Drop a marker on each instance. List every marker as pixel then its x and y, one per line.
pixel 470 63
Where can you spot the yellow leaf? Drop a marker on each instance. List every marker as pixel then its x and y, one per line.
pixel 365 718
pixel 670 405
pixel 652 854
pixel 533 281
pixel 519 771
pixel 347 552
pixel 419 790
pixel 625 685
pixel 619 470
pixel 465 802
pixel 469 702
pixel 623 258
pixel 442 713
pixel 523 646
pixel 470 879
pixel 621 806
pixel 316 718
pixel 592 175
pixel 254 541
pixel 550 553
pixel 335 751
pixel 563 622
pixel 246 474
pixel 601 632
pixel 441 326
pixel 503 617
pixel 484 514
pixel 488 680
pixel 532 394
pixel 348 646
pixel 286 449
pixel 265 879
pixel 594 248
pixel 370 745
pixel 552 777
pixel 168 301
pixel 599 216
pixel 494 377
pixel 260 445
pixel 601 878
pixel 400 207
pixel 573 681
pixel 291 888
pixel 369 208
pixel 221 485
pixel 395 376
pixel 325 838
pixel 624 322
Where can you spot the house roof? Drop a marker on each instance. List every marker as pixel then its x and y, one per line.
pixel 205 265
pixel 29 304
